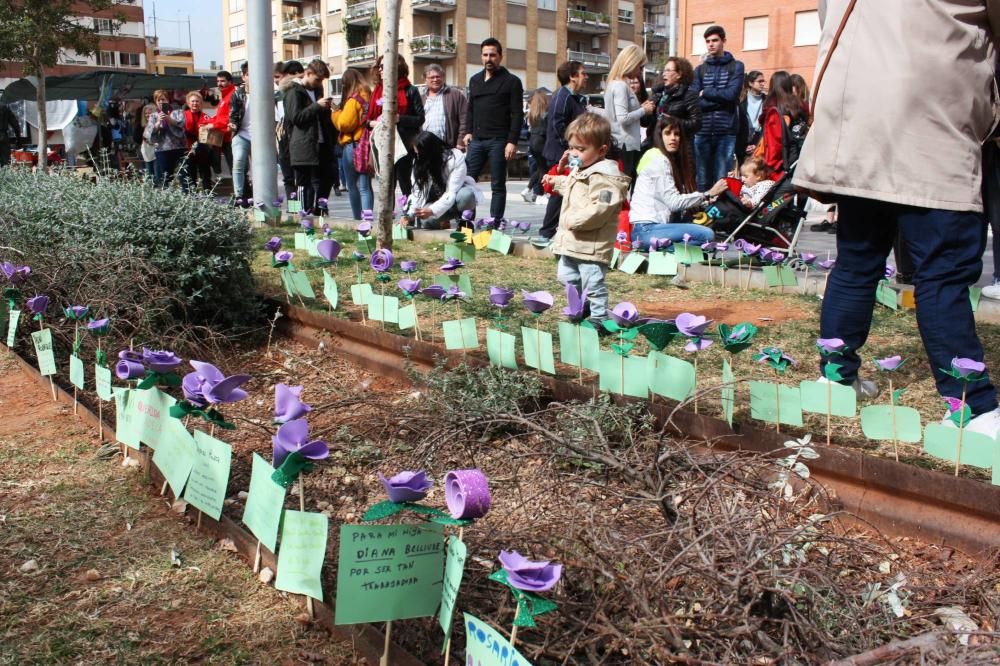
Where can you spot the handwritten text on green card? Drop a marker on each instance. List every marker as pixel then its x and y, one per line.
pixel 152 409
pixel 15 316
pixel 454 567
pixel 43 349
pixel 206 488
pixel 264 504
pixel 485 646
pixel 102 382
pixel 126 418
pixel 303 549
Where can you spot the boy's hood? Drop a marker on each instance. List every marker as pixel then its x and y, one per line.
pixel 607 168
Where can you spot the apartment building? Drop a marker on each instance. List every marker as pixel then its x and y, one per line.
pixel 537 35
pixel 764 34
pixel 167 60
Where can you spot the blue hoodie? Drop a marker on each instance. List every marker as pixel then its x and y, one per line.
pixel 718 81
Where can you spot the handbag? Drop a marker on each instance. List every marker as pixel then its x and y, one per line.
pixel 210 136
pixel 363 150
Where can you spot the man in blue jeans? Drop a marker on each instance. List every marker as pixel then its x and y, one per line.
pixel 875 131
pixel 718 82
pixel 495 114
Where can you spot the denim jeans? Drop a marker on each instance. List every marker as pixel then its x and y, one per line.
pixel 479 152
pixel 465 200
pixel 359 185
pixel 947 248
pixel 643 232
pixel 241 158
pixel 586 276
pixel 713 157
pixel 166 165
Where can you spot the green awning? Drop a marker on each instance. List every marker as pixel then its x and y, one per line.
pixel 89 85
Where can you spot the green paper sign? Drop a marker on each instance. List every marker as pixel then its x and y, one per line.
pixel 843 401
pixel 152 411
pixel 43 349
pixel 454 567
pixel 102 382
pixel 877 423
pixel 538 349
pixel 579 342
pixel 265 501
pixel 330 292
pixel 294 206
pixel 388 572
pixel 15 317
pixel 300 284
pixel 303 549
pixel 617 370
pixel 485 646
pixel 728 393
pixel 360 293
pixel 975 295
pixel 206 488
pixel 688 254
pixel 461 334
pixel 406 318
pixel 126 418
pixel 175 455
pixel 662 263
pixel 500 242
pixel 886 295
pixel 996 468
pixel 780 276
pixel 633 262
pixel 941 441
pixel 501 348
pixel 461 281
pixel 259 215
pixel 400 233
pixel 383 308
pixel 616 254
pixel 670 377
pixel 300 240
pixel 766 406
pixel 76 376
pixel 464 251
pixel 312 246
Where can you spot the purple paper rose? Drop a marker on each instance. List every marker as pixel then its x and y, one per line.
pixel 208 386
pixel 283 257
pixel 76 312
pixel 16 275
pixel 99 327
pixel 434 291
pixel 807 258
pixel 38 304
pixel 408 286
pixel 691 325
pixel 381 260
pixel 889 364
pixel 273 245
pixel 452 265
pixel 364 229
pixel 528 575
pixel 965 368
pixel 406 486
pixel 831 346
pixel 625 314
pixel 293 437
pixel 408 266
pixel 576 307
pixel 160 361
pixel 500 296
pixel 127 369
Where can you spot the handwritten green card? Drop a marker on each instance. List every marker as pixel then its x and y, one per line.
pixel 941 441
pixel 616 255
pixel 360 293
pixel 579 342
pixel 500 242
pixel 15 316
pixel 670 377
pixel 76 376
pixel 388 572
pixel 294 206
pixel 728 393
pixel 767 406
pixel 662 263
pixel 126 418
pixel 102 382
pixel 454 567
pixel 485 646
pixel 206 488
pixel 886 295
pixel 460 334
pixel 843 401
pixel 623 375
pixel 780 276
pixel 881 422
pixel 152 410
pixel 265 501
pixel 175 455
pixel 501 348
pixel 383 308
pixel 330 292
pixel 303 549
pixel 43 349
pixel 538 349
pixel 259 215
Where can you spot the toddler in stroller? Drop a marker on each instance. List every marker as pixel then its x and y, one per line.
pixel 775 220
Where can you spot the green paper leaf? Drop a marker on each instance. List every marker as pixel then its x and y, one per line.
pixel 579 341
pixel 897 396
pixel 832 372
pixel 886 295
pixel 293 465
pixel 842 399
pixel 610 326
pixel 461 334
pixel 265 504
pixel 616 370
pixel 206 487
pixel 662 263
pixel 728 393
pixel 330 292
pixel 529 605
pixel 302 553
pixel 658 334
pixel 961 417
pixel 766 406
pixel 670 377
pixel 501 348
pixel 628 333
pixel 537 345
pixel 623 349
pixel 381 510
pixel 745 333
pixel 877 423
pixel 633 262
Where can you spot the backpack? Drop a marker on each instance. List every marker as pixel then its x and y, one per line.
pixel 793 135
pixel 363 151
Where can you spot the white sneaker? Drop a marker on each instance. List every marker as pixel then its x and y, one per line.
pixel 528 195
pixel 987 423
pixel 542 200
pixel 992 291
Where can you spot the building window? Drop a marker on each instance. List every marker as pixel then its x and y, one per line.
pixel 237 35
pixel 547 4
pixel 698 47
pixel 104 26
pixel 336 87
pixel 106 58
pixel 235 6
pixel 128 59
pixel 755 33
pixel 449 30
pixel 626 15
pixel 807 28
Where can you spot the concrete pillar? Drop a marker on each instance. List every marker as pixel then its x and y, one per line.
pixel 264 153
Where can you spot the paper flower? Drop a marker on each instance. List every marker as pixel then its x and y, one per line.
pixel 208 386
pixel 435 291
pixel 576 308
pixel 484 222
pixel 282 258
pixel 686 238
pixel 273 245
pixel 826 264
pixel 708 247
pixel 406 486
pixel 500 296
pixel 659 244
pixel 625 314
pixel 622 237
pixel 130 355
pixel 329 249
pixel 287 404
pixel 99 327
pixel 292 437
pixel 747 248
pixel 76 312
pixel 408 266
pixel 381 260
pixel 528 575
pixel 38 304
pixel 697 344
pixel 467 493
pixel 16 275
pixel 327 231
pixel 467 215
pixel 129 365
pixel 776 257
pixel 322 202
pixel 523 227
pixel 966 370
pixel 807 258
pixel 453 293
pixel 160 361
pixel 402 200
pixel 889 271
pixel 691 325
pixel 293 196
pixel 776 358
pixel 737 338
pixel 365 228
pixel 452 265
pixel 537 302
pixel 409 287
pixel 722 247
pixel 890 364
pixel 307 224
pixel 828 346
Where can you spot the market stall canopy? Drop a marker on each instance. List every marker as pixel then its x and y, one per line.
pixel 93 86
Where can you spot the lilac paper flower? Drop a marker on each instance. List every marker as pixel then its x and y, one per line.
pixel 697 344
pixel 500 296
pixel 659 244
pixel 368 215
pixel 691 325
pixel 287 403
pixel 776 258
pixel 523 227
pixel 322 202
pixel 283 257
pixel 434 291
pixel 207 385
pixel 160 361
pixel 365 228
pixel 99 327
pixel 401 201
pixel 537 301
pixel 722 247
pixel 966 368
pixel 576 307
pixel 829 346
pixel 622 237
pixel 293 196
pixel 453 293
pixel 889 364
pixel 528 575
pixel 708 247
pixel 889 271
pixel 625 314
pixel 749 249
pixel 776 358
pixel 406 486
pixel 292 437
pixel 408 266
pixel 273 245
pixel 127 369
pixel 408 286
pixel 76 312
pixel 826 264
pixel 38 304
pixel 467 215
pixel 327 231
pixel 807 258
pixel 381 261
pixel 452 265
pixel 686 238
pixel 467 493
pixel 16 275
pixel 307 223
pixel 329 249
pixel 130 355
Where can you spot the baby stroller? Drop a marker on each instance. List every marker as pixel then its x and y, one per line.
pixel 774 223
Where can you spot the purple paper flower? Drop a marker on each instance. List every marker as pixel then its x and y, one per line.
pixel 408 266
pixel 127 369
pixel 622 237
pixel 287 403
pixel 807 258
pixel 686 238
pixel 708 247
pixel 283 257
pixel 130 355
pixel 659 244
pixel 576 304
pixel 776 358
pixel 364 229
pixel 329 249
pixel 500 296
pixel 273 245
pixel 208 386
pixel 293 437
pixel 408 286
pixel 467 215
pixel 434 291
pixel 749 249
pixel 160 361
pixel 523 227
pixel 691 325
pixel 953 404
pixel 402 200
pixel 889 271
pixel 485 222
pixel 467 493
pixel 322 202
pixel 368 215
pixel 527 575
pixel 831 346
pixel 453 293
pixel 537 301
pixel 697 344
pixel 277 202
pixel 327 231
pixel 307 223
pixel 16 275
pixel 76 312
pixel 889 364
pixel 776 258
pixel 722 247
pixel 452 265
pixel 99 327
pixel 293 196
pixel 406 486
pixel 625 314
pixel 826 264
pixel 966 368
pixel 38 304
pixel 381 260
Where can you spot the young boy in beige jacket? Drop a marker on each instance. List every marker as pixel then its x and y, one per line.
pixel 592 193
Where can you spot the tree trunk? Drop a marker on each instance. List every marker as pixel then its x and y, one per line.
pixel 385 139
pixel 43 119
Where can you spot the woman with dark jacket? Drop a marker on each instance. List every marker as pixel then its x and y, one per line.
pixel 409 114
pixel 677 99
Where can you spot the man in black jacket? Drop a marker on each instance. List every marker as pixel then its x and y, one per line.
pixel 496 111
pixel 7 121
pixel 311 135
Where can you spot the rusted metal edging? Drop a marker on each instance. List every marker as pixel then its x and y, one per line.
pixel 897 498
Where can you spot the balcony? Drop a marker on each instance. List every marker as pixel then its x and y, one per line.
pixel 592 62
pixel 303 27
pixel 360 12
pixel 591 23
pixel 432 47
pixel 433 6
pixel 654 3
pixel 654 32
pixel 362 55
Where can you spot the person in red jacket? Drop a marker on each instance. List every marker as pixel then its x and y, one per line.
pixel 198 162
pixel 781 108
pixel 409 117
pixel 220 121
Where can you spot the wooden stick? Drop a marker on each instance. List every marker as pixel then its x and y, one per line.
pixel 513 635
pixel 257 558
pixel 829 398
pixel 892 404
pixel 302 507
pixel 961 429
pixel 777 405
pixel 696 379
pixel 384 661
pixel 163 489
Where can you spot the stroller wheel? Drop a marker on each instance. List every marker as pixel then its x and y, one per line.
pixel 795 263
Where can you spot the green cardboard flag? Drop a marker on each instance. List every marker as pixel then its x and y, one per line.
pixel 126 418
pixel 286 281
pixel 576 342
pixel 259 215
pixel 383 308
pixel 886 295
pixel 975 295
pixel 616 254
pixel 461 334
pixel 501 348
pixel 632 263
pixel 464 251
pixel 485 646
pixel 780 276
pixel 360 293
pixel 43 350
pixel 406 318
pixel 941 441
pixel 301 285
pixel 454 567
pixel 76 377
pixel 311 246
pixel 400 233
pixel 461 281
pixel 662 263
pixel 300 240
pixel 500 242
pixel 15 316
pixel 877 423
pixel 102 382
pixel 388 572
pixel 330 292
pixel 670 377
pixel 537 346
pixel 688 254
pixel 265 501
pixel 152 409
pixel 764 408
pixel 843 400
pixel 206 488
pixel 175 455
pixel 996 468
pixel 728 392
pixel 631 371
pixel 294 206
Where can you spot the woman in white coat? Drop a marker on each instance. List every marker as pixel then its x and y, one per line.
pixel 442 190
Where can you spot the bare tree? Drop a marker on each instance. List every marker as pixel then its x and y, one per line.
pixel 385 138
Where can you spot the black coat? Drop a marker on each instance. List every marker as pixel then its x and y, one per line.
pixel 563 109
pixel 8 121
pixel 680 102
pixel 304 121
